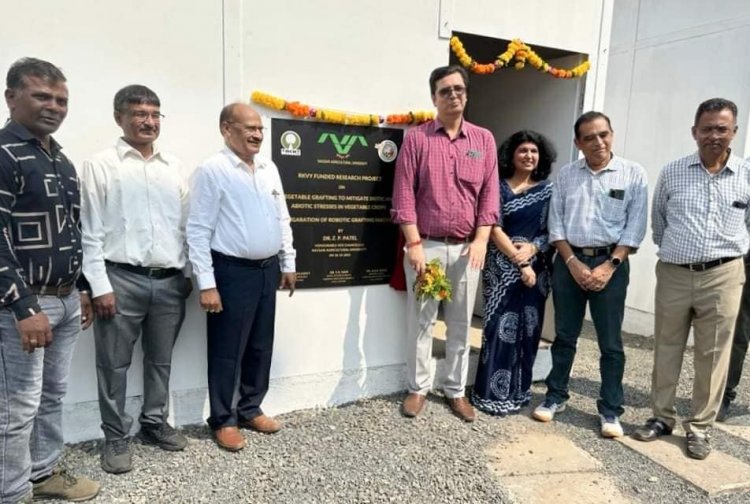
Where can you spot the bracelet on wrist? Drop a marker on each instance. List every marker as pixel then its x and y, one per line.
pixel 572 256
pixel 413 244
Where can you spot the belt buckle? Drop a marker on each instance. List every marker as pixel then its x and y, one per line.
pixel 588 251
pixel 152 272
pixel 697 267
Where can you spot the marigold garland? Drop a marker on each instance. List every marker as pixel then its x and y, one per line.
pixel 298 109
pixel 520 54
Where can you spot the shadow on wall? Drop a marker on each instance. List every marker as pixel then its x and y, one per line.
pixel 357 379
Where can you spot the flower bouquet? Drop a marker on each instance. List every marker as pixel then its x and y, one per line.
pixel 433 283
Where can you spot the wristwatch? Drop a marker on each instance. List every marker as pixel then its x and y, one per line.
pixel 615 261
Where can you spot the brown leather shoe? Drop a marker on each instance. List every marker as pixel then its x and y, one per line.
pixel 230 438
pixel 261 423
pixel 462 409
pixel 413 404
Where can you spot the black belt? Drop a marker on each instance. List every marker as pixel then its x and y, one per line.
pixel 53 290
pixel 594 251
pixel 251 263
pixel 708 264
pixel 157 273
pixel 450 240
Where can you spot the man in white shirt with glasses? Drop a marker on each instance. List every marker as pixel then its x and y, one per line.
pixel 134 209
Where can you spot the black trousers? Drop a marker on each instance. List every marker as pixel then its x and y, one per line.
pixel 240 338
pixel 741 339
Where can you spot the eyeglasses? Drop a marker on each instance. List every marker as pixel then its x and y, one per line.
pixel 719 130
pixel 447 91
pixel 247 128
pixel 142 115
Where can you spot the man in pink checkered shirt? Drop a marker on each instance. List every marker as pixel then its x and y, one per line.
pixel 446 200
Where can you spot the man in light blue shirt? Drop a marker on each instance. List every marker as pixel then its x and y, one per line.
pixel 597 218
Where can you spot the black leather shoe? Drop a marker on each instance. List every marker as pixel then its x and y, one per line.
pixel 726 403
pixel 698 447
pixel 651 430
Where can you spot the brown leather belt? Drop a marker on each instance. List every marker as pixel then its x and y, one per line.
pixel 157 273
pixel 450 240
pixel 708 264
pixel 594 251
pixel 53 290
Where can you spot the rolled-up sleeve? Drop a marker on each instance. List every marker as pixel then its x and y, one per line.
pixel 637 211
pixel 659 210
pixel 403 202
pixel 557 212
pixel 488 203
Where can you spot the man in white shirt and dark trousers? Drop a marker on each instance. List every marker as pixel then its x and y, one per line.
pixel 134 210
pixel 699 218
pixel 241 250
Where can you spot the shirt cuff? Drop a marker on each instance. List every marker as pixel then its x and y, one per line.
pixel 206 281
pixel 99 286
pixel 26 307
pixel 288 266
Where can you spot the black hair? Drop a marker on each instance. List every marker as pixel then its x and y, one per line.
pixel 444 71
pixel 32 67
pixel 715 105
pixel 135 94
pixel 547 154
pixel 589 116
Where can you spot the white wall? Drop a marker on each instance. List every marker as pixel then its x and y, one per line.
pixel 332 345
pixel 667 56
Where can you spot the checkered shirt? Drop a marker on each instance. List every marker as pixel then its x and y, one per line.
pixel 596 209
pixel 699 217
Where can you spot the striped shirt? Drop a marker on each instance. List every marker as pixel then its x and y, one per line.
pixel 446 187
pixel 699 217
pixel 599 208
pixel 39 220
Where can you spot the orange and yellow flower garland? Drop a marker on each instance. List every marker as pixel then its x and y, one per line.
pixel 298 109
pixel 521 54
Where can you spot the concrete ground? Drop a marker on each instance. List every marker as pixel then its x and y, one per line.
pixel 368 452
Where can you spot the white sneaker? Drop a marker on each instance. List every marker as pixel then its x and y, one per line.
pixel 611 427
pixel 545 412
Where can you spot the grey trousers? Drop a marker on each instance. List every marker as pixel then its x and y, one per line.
pixel 32 387
pixel 154 308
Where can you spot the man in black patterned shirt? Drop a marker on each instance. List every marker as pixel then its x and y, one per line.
pixel 40 267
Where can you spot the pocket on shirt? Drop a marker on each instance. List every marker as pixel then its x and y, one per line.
pixel 734 221
pixel 471 175
pixel 613 209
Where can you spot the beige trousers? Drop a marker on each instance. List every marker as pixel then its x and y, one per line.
pixel 709 301
pixel 421 317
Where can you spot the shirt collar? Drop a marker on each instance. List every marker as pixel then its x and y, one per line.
pixel 733 162
pixel 613 165
pixel 24 134
pixel 124 148
pixel 238 163
pixel 438 125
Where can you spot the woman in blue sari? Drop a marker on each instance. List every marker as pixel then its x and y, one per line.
pixel 516 275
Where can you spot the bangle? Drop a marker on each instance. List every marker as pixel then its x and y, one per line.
pixel 572 256
pixel 414 244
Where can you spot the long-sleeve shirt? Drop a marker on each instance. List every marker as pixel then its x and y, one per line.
pixel 39 219
pixel 237 211
pixel 599 208
pixel 134 211
pixel 697 216
pixel 447 187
